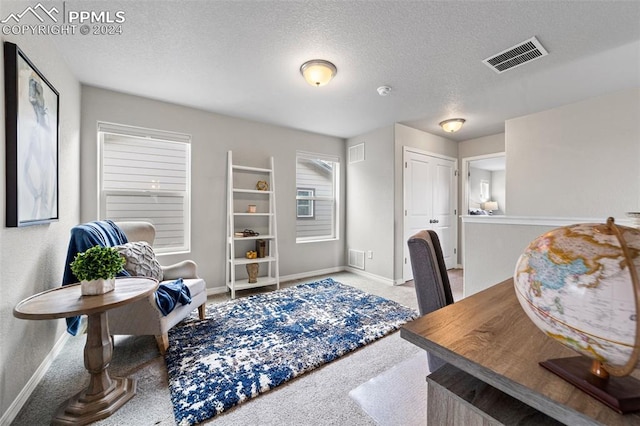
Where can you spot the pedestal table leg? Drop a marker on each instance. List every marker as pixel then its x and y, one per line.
pixel 104 395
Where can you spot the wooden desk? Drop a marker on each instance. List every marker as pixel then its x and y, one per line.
pixel 104 395
pixel 489 337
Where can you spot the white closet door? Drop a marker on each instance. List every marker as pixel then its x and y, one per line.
pixel 430 203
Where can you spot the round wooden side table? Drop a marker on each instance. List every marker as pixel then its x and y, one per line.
pixel 104 395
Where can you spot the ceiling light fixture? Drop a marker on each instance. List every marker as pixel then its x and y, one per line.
pixel 318 72
pixel 452 125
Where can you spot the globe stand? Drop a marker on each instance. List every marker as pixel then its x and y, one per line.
pixel 620 393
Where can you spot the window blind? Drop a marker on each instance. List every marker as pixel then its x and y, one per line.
pixel 145 177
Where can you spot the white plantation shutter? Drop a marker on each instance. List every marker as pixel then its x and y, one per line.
pixel 145 175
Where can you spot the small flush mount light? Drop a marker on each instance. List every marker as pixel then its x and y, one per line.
pixel 452 125
pixel 318 72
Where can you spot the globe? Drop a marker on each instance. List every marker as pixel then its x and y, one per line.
pixel 579 285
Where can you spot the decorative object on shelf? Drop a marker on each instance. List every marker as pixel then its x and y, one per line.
pixel 251 208
pixel 32 122
pixel 262 185
pixel 452 125
pixel 250 233
pixel 261 248
pixel 579 284
pixel 318 72
pixel 96 269
pixel 252 270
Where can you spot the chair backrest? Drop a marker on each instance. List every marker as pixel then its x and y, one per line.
pixel 430 278
pixel 138 231
pixel 429 272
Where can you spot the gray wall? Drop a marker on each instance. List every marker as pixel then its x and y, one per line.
pixel 213 135
pixel 370 200
pixel 32 258
pixel 375 194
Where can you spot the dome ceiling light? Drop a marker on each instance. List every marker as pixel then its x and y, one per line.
pixel 452 125
pixel 318 72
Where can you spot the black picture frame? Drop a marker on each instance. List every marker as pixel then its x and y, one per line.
pixel 32 114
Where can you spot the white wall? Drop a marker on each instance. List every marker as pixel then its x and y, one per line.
pixel 213 135
pixel 32 258
pixel 578 160
pixel 370 200
pixel 576 163
pixel 407 136
pixel 499 190
pixel 476 176
pixel 492 250
pixel 491 144
pixel 485 145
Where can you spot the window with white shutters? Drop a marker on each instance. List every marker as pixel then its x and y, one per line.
pixel 145 176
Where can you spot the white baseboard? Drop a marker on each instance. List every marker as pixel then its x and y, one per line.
pixel 216 290
pixel 35 379
pixel 284 278
pixel 375 277
pixel 310 274
pixel 327 271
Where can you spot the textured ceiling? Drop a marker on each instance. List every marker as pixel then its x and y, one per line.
pixel 242 58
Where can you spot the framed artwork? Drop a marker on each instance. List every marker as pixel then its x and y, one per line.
pixel 32 120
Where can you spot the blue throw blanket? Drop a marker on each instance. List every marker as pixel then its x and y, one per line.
pixel 105 233
pixel 170 294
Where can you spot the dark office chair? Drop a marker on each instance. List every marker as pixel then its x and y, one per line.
pixel 430 279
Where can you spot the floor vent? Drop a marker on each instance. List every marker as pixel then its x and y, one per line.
pixel 356 259
pixel 356 153
pixel 515 56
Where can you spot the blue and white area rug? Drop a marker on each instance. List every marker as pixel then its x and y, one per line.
pixel 247 346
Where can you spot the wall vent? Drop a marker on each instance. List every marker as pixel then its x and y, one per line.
pixel 515 56
pixel 356 259
pixel 356 153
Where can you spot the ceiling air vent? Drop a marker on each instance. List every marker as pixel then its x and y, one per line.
pixel 515 56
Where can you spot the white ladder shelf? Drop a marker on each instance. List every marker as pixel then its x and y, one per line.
pixel 241 193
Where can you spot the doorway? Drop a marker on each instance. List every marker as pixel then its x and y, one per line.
pixel 484 185
pixel 430 202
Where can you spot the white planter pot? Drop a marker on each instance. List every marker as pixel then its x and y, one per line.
pixel 99 286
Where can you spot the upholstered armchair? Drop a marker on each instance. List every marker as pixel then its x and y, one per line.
pixel 144 317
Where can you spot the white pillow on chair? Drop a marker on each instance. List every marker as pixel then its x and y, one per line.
pixel 141 260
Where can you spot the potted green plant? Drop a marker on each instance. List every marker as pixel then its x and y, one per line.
pixel 96 269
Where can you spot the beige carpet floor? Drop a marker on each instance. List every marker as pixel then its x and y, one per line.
pixel 397 397
pixel 320 397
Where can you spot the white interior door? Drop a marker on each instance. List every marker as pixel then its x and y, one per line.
pixel 430 203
